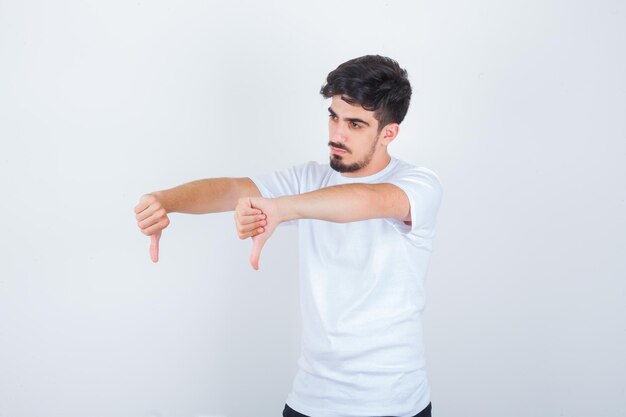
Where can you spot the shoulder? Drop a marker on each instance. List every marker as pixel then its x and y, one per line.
pixel 424 192
pixel 314 168
pixel 404 171
pixel 296 179
pixel 298 171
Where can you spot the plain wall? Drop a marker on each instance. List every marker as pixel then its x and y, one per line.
pixel 519 106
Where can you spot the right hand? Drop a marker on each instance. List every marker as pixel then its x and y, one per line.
pixel 151 219
pixel 257 218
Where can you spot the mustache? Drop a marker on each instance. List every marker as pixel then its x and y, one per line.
pixel 339 146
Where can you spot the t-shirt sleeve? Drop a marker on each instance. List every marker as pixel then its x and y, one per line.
pixel 283 182
pixel 424 191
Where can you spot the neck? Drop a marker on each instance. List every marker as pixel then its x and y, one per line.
pixel 377 164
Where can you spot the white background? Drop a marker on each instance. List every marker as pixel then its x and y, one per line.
pixel 519 106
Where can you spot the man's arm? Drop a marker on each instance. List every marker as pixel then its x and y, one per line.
pixel 340 203
pixel 196 197
pixel 347 203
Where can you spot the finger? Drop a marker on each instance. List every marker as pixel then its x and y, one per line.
pixel 154 210
pixel 244 220
pixel 245 229
pixel 251 233
pixel 157 227
pixel 156 217
pixel 247 211
pixel 255 255
pixel 141 206
pixel 154 246
pixel 143 215
pixel 145 224
pixel 257 231
pixel 251 229
pixel 243 209
pixel 144 202
pixel 244 204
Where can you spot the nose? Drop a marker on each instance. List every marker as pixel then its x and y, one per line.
pixel 338 133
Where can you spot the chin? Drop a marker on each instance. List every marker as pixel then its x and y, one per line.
pixel 338 165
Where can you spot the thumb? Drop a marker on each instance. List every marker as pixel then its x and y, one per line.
pixel 257 245
pixel 154 246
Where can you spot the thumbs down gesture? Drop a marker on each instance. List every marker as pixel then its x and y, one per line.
pixel 256 218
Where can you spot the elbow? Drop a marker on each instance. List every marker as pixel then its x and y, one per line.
pixel 393 203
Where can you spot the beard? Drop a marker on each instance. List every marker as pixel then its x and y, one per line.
pixel 338 165
pixel 336 161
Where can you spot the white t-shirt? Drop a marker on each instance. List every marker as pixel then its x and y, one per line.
pixel 362 295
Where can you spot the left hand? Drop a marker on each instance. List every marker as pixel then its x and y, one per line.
pixel 257 218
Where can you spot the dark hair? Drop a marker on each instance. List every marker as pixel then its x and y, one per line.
pixel 375 82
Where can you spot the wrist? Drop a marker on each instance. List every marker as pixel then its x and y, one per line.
pixel 162 198
pixel 287 208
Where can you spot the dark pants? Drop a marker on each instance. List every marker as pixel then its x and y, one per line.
pixel 290 412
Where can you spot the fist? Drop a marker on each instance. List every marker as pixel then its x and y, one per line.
pixel 256 218
pixel 151 220
pixel 248 221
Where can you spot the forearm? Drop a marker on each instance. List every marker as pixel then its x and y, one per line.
pixel 206 196
pixel 347 203
pixel 340 204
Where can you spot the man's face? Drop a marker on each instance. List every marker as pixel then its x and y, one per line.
pixel 353 136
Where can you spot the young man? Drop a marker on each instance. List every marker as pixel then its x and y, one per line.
pixel 366 225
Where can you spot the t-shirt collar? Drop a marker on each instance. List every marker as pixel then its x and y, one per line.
pixel 340 179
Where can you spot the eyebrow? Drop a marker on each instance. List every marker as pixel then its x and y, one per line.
pixel 349 119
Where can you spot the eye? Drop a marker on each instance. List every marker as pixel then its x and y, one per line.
pixel 332 116
pixel 355 125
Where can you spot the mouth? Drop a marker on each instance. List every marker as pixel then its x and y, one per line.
pixel 337 151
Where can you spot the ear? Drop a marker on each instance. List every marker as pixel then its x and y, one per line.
pixel 389 133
